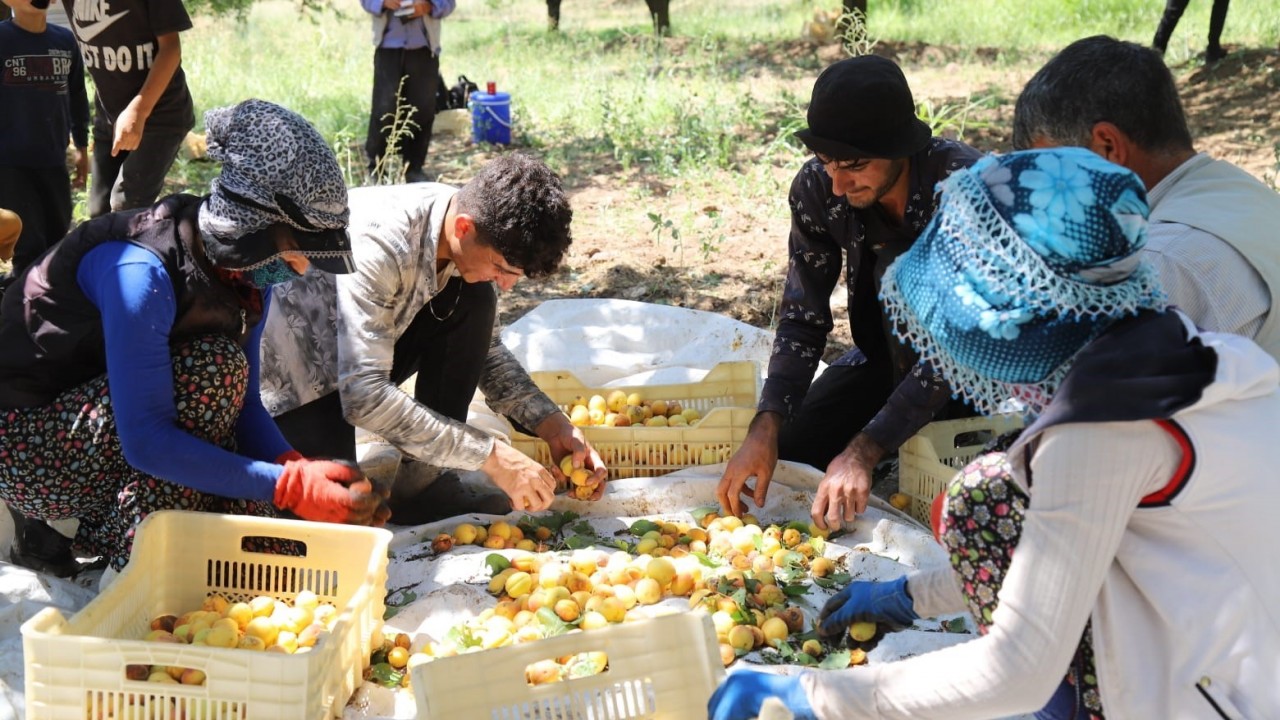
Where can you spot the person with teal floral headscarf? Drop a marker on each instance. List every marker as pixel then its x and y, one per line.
pixel 1118 559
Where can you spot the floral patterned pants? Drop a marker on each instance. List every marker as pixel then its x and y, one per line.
pixel 981 528
pixel 64 460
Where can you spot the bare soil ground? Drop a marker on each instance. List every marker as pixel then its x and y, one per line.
pixel 731 255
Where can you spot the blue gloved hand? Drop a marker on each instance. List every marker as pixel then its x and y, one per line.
pixel 740 695
pixel 866 601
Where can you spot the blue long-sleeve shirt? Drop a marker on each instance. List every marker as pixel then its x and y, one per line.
pixel 134 295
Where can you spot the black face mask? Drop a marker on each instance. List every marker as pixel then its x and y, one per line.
pixel 40 4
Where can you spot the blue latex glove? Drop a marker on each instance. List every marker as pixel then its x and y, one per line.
pixel 866 601
pixel 739 697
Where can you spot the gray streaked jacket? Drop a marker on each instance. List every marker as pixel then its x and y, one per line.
pixel 326 333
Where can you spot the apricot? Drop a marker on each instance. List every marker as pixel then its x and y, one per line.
pixel 661 570
pixel 593 621
pixel 656 421
pixel 249 642
pixel 740 638
pixel 262 605
pixel 862 631
pixel 775 628
pixel 616 401
pixel 901 501
pixel 727 654
pixel 164 622
pixel 821 567
pixel 812 648
pixel 579 416
pixel 264 629
pixel 442 543
pixel 567 610
pixel 659 407
pixel 464 534
pixel 241 613
pixel 648 591
pixel 519 583
pixel 307 600
pixel 221 637
pixel 580 477
pixel 398 657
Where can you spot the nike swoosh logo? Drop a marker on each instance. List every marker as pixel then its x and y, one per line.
pixel 89 32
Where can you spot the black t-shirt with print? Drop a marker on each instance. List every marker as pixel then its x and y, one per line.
pixel 118 41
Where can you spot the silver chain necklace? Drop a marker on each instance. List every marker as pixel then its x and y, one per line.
pixel 456 297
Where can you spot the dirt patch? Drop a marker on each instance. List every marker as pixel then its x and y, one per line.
pixel 732 254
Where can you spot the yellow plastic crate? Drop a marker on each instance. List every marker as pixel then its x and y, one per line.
pixel 928 461
pixel 728 384
pixel 726 397
pixel 75 669
pixel 662 668
pixel 638 451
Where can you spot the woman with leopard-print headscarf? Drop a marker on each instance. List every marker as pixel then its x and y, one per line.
pixel 129 354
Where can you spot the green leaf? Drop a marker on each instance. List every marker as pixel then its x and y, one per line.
pixel 795 589
pixel 805 659
pixel 702 511
pixel 837 660
pixel 583 528
pixel 642 526
pixel 840 578
pixel 798 526
pixel 684 540
pixel 390 612
pixel 624 546
pixel 826 582
pixel 463 636
pixel 402 598
pixel 784 649
pixel 577 542
pixel 818 545
pixel 705 560
pixel 551 623
pixel 496 562
pixel 385 675
pixel 758 541
pixel 955 625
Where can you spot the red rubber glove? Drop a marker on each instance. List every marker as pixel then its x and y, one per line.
pixel 328 491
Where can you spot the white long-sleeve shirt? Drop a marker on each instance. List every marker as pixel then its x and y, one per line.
pixel 1087 550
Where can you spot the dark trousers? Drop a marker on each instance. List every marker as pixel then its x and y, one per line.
pixel 420 70
pixel 42 198
pixel 659 12
pixel 1173 10
pixel 840 402
pixel 838 405
pixel 132 179
pixel 446 345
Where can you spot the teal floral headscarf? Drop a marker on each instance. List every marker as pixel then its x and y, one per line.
pixel 1030 257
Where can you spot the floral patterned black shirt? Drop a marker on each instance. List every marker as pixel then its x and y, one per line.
pixel 828 235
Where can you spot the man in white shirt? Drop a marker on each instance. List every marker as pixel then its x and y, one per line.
pixel 1212 224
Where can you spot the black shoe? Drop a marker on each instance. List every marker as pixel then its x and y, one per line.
pixel 38 547
pixel 416 176
pixel 1214 54
pixel 446 497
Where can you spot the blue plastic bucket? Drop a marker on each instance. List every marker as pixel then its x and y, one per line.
pixel 491 117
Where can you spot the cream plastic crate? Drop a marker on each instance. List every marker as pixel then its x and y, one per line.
pixel 638 451
pixel 726 397
pixel 662 668
pixel 928 461
pixel 728 384
pixel 75 668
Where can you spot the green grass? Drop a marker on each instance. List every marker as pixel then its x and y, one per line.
pixel 724 93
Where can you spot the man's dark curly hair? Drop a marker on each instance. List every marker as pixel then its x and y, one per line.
pixel 520 210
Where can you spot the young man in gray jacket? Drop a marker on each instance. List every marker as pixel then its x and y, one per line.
pixel 430 259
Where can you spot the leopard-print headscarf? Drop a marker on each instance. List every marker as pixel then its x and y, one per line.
pixel 276 168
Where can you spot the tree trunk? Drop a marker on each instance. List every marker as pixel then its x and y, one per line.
pixel 659 10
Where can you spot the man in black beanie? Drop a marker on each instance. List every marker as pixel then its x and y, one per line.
pixel 859 202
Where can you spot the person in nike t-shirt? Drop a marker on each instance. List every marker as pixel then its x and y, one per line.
pixel 142 108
